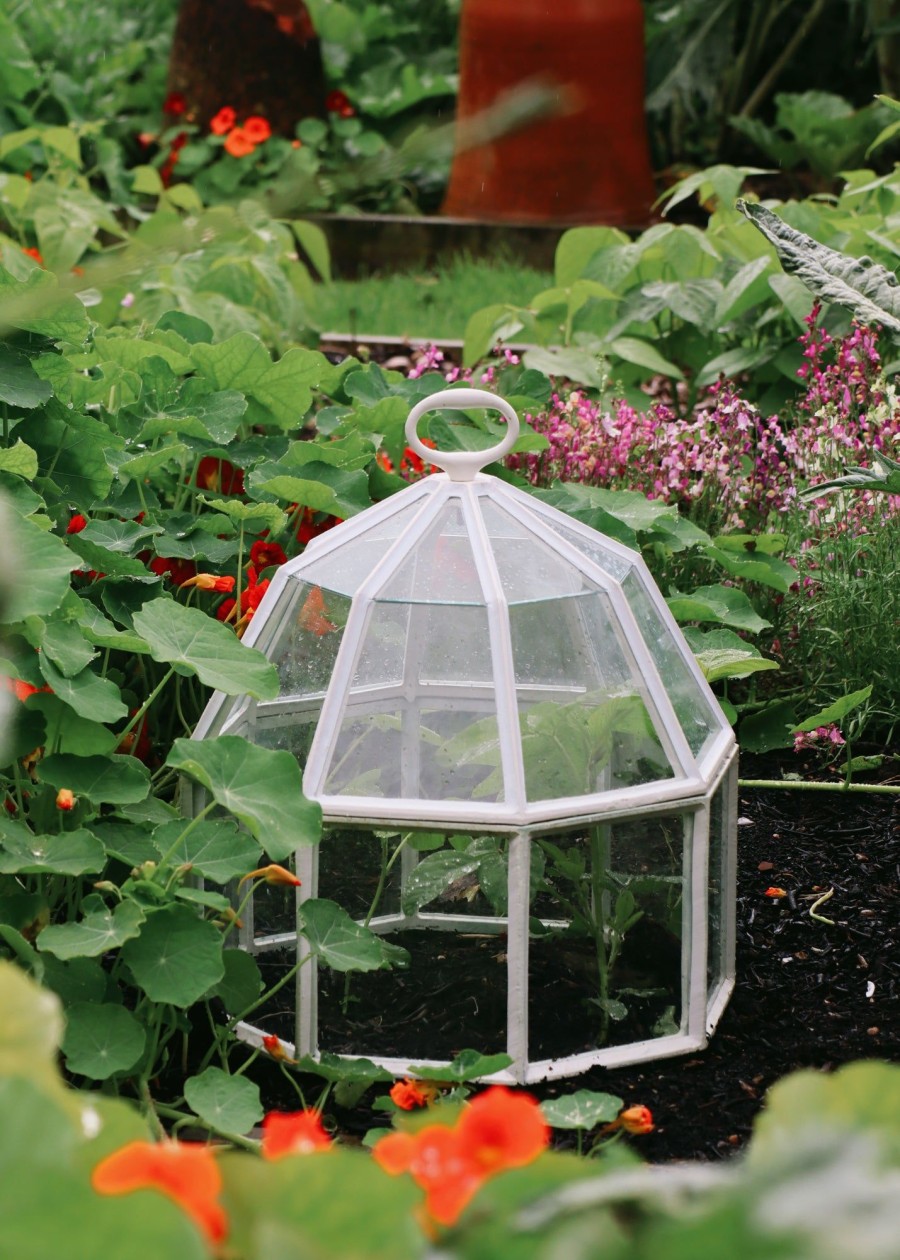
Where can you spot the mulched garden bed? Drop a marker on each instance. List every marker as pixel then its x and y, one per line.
pixel 808 995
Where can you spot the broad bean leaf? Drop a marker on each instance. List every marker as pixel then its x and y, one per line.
pixel 835 712
pixel 468 1065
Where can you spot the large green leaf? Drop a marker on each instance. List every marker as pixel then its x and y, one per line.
pixel 65 853
pixel 584 1109
pixel 724 604
pixel 37 305
pixel 724 654
pixel 100 930
pixel 322 487
pixel 335 1206
pixel 468 1065
pixel 216 850
pixel 280 391
pixel 67 647
pixel 43 564
pixel 189 637
pixel 864 287
pixel 101 1039
pixel 242 982
pixel 32 1024
pixel 73 734
pixel 260 786
pixel 107 780
pixel 835 712
pixel 72 451
pixel 20 385
pixel 231 1104
pixel 339 941
pixel 91 696
pixel 177 957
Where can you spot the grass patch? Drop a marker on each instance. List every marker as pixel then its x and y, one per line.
pixel 435 303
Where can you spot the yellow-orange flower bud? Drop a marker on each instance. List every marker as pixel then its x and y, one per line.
pixel 65 799
pixel 272 874
pixel 637 1119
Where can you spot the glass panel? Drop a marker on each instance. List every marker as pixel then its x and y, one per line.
pixel 421 733
pixel 616 566
pixel 453 993
pixel 529 569
pixel 692 707
pixel 441 568
pixel 606 928
pixel 585 726
pixel 346 568
pixel 307 641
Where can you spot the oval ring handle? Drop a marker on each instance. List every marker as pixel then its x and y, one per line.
pixel 462 465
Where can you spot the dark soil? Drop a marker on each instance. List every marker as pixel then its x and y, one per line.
pixel 808 994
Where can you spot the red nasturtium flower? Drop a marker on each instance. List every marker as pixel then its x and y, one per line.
pixel 223 122
pixel 219 475
pixel 309 526
pixel 211 582
pixel 34 253
pixel 407 1094
pixel 180 571
pixel 293 1133
pixel 337 102
pixel 174 105
pixel 272 874
pixel 499 1129
pixel 257 129
pixel 76 524
pixel 185 1172
pixel 264 554
pixel 239 144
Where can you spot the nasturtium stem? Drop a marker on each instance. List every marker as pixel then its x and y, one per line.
pixel 172 849
pixel 139 714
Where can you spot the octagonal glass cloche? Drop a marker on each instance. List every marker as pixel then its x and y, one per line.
pixel 510 740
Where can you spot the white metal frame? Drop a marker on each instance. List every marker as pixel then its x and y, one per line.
pixel 689 791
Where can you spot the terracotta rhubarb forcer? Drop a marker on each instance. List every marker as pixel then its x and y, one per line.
pixel 589 162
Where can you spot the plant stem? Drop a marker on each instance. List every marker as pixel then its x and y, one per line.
pixel 883 789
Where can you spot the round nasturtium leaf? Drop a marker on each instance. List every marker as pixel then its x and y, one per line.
pixel 263 787
pixel 177 957
pixel 584 1109
pixel 231 1104
pixel 101 1039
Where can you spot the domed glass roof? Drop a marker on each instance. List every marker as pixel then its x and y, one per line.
pixel 464 653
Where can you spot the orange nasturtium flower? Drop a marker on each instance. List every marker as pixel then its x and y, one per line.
pixel 272 874
pixel 211 582
pixel 500 1129
pixel 223 122
pixel 186 1172
pixel 407 1094
pixel 239 144
pixel 311 616
pixel 775 892
pixel 65 799
pixel 257 129
pixel 636 1119
pixel 273 1046
pixel 293 1133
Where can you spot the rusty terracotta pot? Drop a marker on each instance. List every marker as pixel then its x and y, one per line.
pixel 589 163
